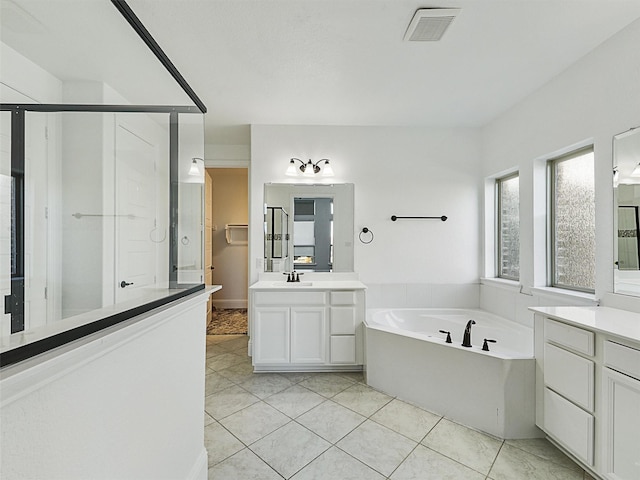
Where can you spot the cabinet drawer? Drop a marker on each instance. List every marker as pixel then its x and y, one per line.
pixel 576 339
pixel 570 425
pixel 343 298
pixel 343 320
pixel 622 358
pixel 289 298
pixel 570 375
pixel 343 349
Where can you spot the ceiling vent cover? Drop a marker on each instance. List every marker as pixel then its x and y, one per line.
pixel 429 24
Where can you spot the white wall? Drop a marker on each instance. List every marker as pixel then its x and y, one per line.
pixel 123 403
pixel 396 171
pixel 590 102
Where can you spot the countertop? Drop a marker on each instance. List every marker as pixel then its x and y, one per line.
pixel 611 321
pixel 284 286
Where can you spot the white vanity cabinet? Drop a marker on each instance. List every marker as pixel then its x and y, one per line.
pixel 307 328
pixel 588 386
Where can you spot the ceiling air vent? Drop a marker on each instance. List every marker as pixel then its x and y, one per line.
pixel 429 24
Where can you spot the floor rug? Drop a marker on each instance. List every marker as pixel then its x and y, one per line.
pixel 231 321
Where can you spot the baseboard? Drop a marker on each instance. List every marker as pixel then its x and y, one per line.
pixel 232 303
pixel 200 469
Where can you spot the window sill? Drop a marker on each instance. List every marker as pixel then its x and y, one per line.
pixel 503 283
pixel 567 295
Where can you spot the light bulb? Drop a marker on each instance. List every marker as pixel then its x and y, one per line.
pixel 327 170
pixel 292 171
pixel 194 171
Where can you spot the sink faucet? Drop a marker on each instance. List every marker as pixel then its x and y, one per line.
pixel 293 276
pixel 466 340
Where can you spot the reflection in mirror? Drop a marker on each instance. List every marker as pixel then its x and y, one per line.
pixel 628 237
pixel 626 168
pixel 276 238
pixel 318 234
pixel 313 234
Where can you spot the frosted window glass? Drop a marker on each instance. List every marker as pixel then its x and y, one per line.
pixel 574 242
pixel 509 227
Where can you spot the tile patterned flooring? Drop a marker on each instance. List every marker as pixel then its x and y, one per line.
pixel 331 426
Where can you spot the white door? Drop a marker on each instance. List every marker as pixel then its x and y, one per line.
pixel 135 214
pixel 308 335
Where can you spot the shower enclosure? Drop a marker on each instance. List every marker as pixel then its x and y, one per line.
pixel 101 202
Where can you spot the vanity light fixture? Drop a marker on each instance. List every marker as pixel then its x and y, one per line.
pixel 194 170
pixel 309 169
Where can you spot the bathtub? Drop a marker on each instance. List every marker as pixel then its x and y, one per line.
pixel 407 357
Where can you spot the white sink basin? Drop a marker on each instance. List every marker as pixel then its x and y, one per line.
pixel 292 284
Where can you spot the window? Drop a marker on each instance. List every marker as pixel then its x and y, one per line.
pixel 572 221
pixel 508 227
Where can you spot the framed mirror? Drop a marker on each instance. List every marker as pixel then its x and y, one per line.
pixel 308 227
pixel 626 187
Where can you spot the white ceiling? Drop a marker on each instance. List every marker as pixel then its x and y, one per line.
pixel 344 62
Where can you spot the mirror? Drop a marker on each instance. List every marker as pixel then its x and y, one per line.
pixel 626 178
pixel 308 227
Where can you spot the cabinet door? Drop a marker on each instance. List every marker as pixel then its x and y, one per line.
pixel 271 335
pixel 308 335
pixel 621 395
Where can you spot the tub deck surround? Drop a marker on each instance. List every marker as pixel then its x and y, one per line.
pixel 489 391
pixel 314 325
pixel 513 340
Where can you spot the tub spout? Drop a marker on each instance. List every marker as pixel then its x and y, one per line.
pixel 466 340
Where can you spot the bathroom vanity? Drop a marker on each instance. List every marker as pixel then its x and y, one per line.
pixel 588 386
pixel 311 325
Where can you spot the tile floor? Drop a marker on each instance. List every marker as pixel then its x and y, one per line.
pixel 326 426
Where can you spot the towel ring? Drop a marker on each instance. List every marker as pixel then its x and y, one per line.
pixel 364 231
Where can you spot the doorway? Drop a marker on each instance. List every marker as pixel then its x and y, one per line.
pixel 226 247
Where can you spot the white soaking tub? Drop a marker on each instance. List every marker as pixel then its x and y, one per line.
pixel 407 356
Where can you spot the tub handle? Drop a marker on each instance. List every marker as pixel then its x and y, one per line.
pixel 485 345
pixel 449 336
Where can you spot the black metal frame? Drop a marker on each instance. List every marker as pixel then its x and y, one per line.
pixel 146 37
pixel 16 304
pixel 173 200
